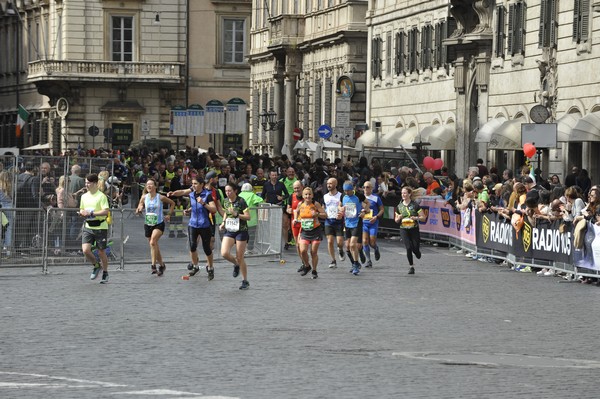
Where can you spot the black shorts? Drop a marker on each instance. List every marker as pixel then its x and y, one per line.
pixel 355 231
pixel 98 237
pixel 204 233
pixel 149 229
pixel 238 235
pixel 334 230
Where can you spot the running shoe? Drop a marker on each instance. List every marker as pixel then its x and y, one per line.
pixel 161 270
pixel 300 268
pixel 245 285
pixel 355 270
pixel 333 264
pixel 411 270
pixel 342 254
pixel 362 256
pixel 95 272
pixel 211 273
pixel 314 274
pixel 236 270
pixel 195 269
pixel 369 264
pixel 305 270
pixel 190 266
pixel 104 278
pixel 153 268
pixel 377 253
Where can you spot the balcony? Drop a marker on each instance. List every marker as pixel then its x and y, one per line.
pixel 286 31
pixel 46 71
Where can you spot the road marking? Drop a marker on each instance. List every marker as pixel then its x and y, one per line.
pixel 94 383
pixel 160 392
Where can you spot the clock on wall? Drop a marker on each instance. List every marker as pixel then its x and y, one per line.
pixel 539 113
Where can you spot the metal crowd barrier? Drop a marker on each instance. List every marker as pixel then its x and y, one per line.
pixel 45 238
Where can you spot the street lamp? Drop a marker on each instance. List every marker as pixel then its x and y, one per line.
pixel 269 122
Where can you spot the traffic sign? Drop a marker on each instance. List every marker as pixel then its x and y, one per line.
pixel 298 133
pixel 93 131
pixel 325 131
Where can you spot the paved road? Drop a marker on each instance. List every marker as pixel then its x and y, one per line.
pixel 457 329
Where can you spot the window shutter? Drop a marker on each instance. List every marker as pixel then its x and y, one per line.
pixel 374 58
pixel 522 7
pixel 423 60
pixel 542 42
pixel 585 19
pixel 576 21
pixel 437 45
pixel 500 21
pixel 553 24
pixel 511 25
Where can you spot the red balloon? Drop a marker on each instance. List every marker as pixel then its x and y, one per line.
pixel 438 163
pixel 529 150
pixel 428 162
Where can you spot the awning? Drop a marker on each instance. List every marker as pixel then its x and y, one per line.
pixel 367 139
pixel 564 125
pixel 299 146
pixel 399 137
pixel 507 136
pixel 38 147
pixel 484 134
pixel 330 146
pixel 441 137
pixel 586 128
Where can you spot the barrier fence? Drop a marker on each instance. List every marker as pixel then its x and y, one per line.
pixel 42 238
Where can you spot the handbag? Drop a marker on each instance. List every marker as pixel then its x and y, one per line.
pixel 579 234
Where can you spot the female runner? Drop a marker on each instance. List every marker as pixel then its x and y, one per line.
pixel 154 222
pixel 199 226
pixel 235 224
pixel 296 199
pixel 307 215
pixel 408 214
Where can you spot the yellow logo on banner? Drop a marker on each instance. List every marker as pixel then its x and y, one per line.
pixel 445 217
pixel 485 228
pixel 458 221
pixel 425 210
pixel 526 236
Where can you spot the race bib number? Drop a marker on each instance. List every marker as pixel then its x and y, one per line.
pixel 151 219
pixel 369 215
pixel 307 224
pixel 350 210
pixel 232 225
pixel 332 212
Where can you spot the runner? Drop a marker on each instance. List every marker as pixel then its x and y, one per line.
pixel 307 216
pixel 288 181
pixel 353 210
pixel 199 226
pixel 235 224
pixel 154 222
pixel 295 200
pixel 408 213
pixel 334 225
pixel 211 185
pixel 371 223
pixel 94 208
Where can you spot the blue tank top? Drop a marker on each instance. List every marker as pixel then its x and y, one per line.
pixel 353 207
pixel 154 210
pixel 199 217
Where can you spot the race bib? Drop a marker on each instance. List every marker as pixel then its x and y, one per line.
pixel 350 210
pixel 369 215
pixel 222 182
pixel 332 212
pixel 307 224
pixel 151 219
pixel 232 225
pixel 408 222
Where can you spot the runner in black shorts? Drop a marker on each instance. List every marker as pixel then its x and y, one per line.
pixel 235 224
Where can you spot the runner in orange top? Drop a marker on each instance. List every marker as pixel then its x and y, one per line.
pixel 307 215
pixel 296 199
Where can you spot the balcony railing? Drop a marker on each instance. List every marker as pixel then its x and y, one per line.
pixel 105 71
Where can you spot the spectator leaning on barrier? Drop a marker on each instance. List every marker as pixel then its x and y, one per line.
pixel 252 200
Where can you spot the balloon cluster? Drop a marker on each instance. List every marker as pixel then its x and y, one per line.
pixel 529 150
pixel 434 164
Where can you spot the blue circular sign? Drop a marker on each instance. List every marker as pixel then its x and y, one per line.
pixel 325 131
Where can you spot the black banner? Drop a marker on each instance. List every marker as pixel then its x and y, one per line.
pixel 543 241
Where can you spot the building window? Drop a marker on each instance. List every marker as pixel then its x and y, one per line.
pixel 388 54
pixel 516 28
pixel 581 20
pixel 413 40
pixel 426 47
pixel 500 34
pixel 234 41
pixel 122 38
pixel 400 53
pixel 442 58
pixel 376 58
pixel 548 24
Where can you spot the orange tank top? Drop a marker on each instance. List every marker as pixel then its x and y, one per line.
pixel 305 212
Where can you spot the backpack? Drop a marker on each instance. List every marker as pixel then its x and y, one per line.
pixel 25 198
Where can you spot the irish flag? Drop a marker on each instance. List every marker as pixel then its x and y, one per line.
pixel 21 120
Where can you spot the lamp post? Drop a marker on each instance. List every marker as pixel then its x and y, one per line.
pixel 269 122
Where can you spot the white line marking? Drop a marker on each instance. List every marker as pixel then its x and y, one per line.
pixel 159 392
pixel 101 383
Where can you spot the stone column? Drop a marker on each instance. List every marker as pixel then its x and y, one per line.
pixel 462 134
pixel 278 107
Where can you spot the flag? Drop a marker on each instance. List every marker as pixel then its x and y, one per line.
pixel 22 117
